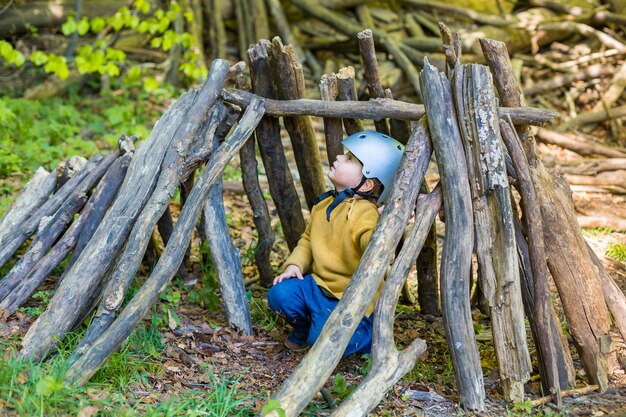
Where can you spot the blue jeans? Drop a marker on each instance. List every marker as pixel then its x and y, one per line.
pixel 306 308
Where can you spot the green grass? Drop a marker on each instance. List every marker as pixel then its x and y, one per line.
pixel 617 251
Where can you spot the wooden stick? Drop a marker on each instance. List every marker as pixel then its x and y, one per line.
pixel 457 249
pixel 372 109
pixel 593 117
pixel 333 129
pixel 565 393
pixel 460 11
pixel 593 167
pixel 288 80
pixel 283 28
pixel 281 185
pixel 400 129
pixel 594 71
pixel 217 31
pixel 346 92
pixel 583 29
pixel 577 144
pixel 82 370
pixel 372 76
pixel 614 223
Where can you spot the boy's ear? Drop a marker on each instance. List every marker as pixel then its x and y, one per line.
pixel 367 186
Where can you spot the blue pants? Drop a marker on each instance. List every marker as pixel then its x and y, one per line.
pixel 306 308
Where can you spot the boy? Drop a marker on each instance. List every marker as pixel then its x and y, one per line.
pixel 327 254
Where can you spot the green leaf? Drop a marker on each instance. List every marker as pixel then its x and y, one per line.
pixel 274 406
pixel 19 59
pixel 83 26
pixel 97 24
pixel 48 385
pixel 112 70
pixel 5 48
pixel 69 26
pixel 63 72
pixel 188 16
pixel 38 58
pixel 134 73
pixel 150 84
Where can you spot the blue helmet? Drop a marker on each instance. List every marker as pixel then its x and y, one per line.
pixel 379 154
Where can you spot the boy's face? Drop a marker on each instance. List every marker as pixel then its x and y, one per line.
pixel 345 172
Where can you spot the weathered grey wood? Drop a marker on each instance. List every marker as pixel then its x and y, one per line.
pixel 92 213
pixel 333 129
pixel 105 192
pixel 35 192
pixel 260 212
pixel 281 185
pixel 493 224
pixel 568 260
pixel 128 262
pixel 80 183
pixel 400 129
pixel 314 370
pixel 83 278
pixel 82 370
pixel 373 109
pixel 346 92
pixel 458 242
pixel 564 364
pixel 288 80
pixel 74 164
pixel 389 364
pixel 227 261
pixel 372 75
pixel 49 232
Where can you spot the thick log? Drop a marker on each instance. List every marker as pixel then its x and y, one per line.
pixel 34 194
pixel 536 274
pixel 457 249
pixel 227 261
pixel 171 259
pixel 577 144
pixel 281 185
pixel 333 130
pixel 568 260
pixel 48 234
pixel 92 213
pixel 84 276
pixel 288 80
pixel 78 184
pixel 373 109
pixel 73 165
pixel 128 262
pixel 314 370
pixel 493 224
pixel 372 75
pixel 346 92
pixel 389 364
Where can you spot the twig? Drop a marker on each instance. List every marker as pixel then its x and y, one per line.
pixel 565 393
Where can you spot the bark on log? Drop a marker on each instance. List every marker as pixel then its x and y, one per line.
pixel 35 192
pixel 169 177
pixel 282 188
pixel 493 224
pixel 84 276
pixel 400 129
pixel 346 92
pixel 568 260
pixel 333 130
pixel 49 232
pixel 593 117
pixel 372 75
pixel 227 260
pixel 577 144
pixel 78 184
pixel 389 364
pixel 594 71
pixel 457 249
pixel 609 178
pixel 536 274
pixel 318 364
pixel 92 213
pixel 288 80
pixel 82 370
pixel 373 109
pixel 614 223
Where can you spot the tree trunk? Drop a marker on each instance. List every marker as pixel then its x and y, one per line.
pixel 84 368
pixel 457 249
pixel 318 364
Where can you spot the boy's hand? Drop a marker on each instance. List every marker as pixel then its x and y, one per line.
pixel 291 271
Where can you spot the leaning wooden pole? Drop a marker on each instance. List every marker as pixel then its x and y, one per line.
pixel 568 260
pixel 493 220
pixel 457 249
pixel 314 370
pixel 84 368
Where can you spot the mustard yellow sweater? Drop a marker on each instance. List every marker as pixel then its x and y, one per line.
pixel 331 251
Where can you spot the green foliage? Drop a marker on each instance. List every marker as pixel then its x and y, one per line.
pixel 207 293
pixel 274 406
pixel 261 314
pixel 341 388
pixel 617 251
pixel 34 312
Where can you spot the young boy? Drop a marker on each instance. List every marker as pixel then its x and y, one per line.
pixel 329 251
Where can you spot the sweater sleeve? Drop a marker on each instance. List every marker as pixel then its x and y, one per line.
pixel 302 256
pixel 364 226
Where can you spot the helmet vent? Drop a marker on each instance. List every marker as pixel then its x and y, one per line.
pixel 399 147
pixel 362 136
pixel 385 136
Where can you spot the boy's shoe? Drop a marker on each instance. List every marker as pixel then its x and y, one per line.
pixel 295 347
